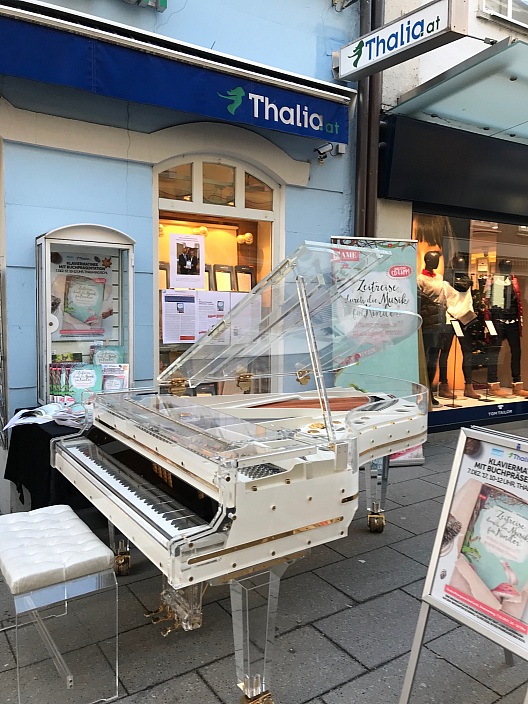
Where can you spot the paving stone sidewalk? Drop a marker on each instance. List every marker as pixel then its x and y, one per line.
pixel 347 616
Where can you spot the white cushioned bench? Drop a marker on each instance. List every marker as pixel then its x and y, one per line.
pixel 46 546
pixel 49 556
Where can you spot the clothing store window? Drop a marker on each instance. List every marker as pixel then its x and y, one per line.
pixel 216 223
pixel 472 289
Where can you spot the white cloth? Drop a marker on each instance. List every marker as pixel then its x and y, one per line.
pixel 459 303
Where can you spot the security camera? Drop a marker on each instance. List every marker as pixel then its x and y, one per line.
pixel 324 149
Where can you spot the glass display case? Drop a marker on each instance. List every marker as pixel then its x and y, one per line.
pixel 85 330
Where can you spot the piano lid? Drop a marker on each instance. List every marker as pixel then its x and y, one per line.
pixel 298 321
pixel 209 433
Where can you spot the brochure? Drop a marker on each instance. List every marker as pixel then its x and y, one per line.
pixel 85 381
pixel 115 376
pixel 107 354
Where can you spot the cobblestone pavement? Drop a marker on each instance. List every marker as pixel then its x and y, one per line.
pixel 347 616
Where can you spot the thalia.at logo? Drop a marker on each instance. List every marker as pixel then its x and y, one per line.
pixel 515 456
pixel 378 46
pixel 263 108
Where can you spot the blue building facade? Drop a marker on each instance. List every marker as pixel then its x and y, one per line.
pixel 101 98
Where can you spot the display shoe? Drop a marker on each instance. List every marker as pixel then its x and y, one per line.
pixel 495 390
pixel 518 389
pixel 434 401
pixel 445 392
pixel 469 392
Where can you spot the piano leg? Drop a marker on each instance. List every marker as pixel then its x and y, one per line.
pixel 253 634
pixel 181 606
pixel 121 551
pixel 376 481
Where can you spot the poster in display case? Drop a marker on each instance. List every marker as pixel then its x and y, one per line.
pixel 82 293
pixel 85 279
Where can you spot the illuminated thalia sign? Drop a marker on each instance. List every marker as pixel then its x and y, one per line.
pixel 422 30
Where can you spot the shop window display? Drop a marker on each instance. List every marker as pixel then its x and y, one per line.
pixel 472 285
pixel 216 224
pixel 206 267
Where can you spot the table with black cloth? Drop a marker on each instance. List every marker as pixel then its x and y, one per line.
pixel 28 465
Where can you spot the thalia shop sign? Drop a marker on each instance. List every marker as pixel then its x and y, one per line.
pixel 422 30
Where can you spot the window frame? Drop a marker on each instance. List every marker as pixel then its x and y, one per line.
pixel 196 205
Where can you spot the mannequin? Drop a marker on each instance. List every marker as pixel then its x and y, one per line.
pixel 432 308
pixel 504 307
pixel 459 299
pixel 433 232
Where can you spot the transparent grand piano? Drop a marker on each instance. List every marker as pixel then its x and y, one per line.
pixel 231 488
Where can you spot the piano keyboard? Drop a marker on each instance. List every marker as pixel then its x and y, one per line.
pixel 164 513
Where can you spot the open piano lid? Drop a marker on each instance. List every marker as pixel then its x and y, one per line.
pixel 300 320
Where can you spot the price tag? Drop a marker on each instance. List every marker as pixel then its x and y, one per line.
pixel 457 328
pixel 491 327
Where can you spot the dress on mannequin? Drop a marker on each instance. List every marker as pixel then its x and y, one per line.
pixel 459 301
pixel 505 311
pixel 432 307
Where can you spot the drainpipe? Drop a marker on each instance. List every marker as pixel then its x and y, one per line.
pixel 367 149
pixel 362 132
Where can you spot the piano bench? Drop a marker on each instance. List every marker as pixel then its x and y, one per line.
pixel 53 565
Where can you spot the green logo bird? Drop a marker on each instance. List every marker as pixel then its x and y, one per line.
pixel 235 96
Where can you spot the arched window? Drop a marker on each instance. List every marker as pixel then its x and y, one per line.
pixel 217 214
pixel 216 187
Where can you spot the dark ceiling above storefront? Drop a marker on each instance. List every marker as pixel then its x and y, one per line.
pixel 453 172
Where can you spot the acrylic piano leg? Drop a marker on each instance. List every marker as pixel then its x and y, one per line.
pixel 376 480
pixel 181 606
pixel 121 551
pixel 253 634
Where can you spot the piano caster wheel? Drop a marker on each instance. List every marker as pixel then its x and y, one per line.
pixel 122 563
pixel 376 522
pixel 264 698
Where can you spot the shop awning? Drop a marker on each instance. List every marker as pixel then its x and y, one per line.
pixel 72 65
pixel 486 94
